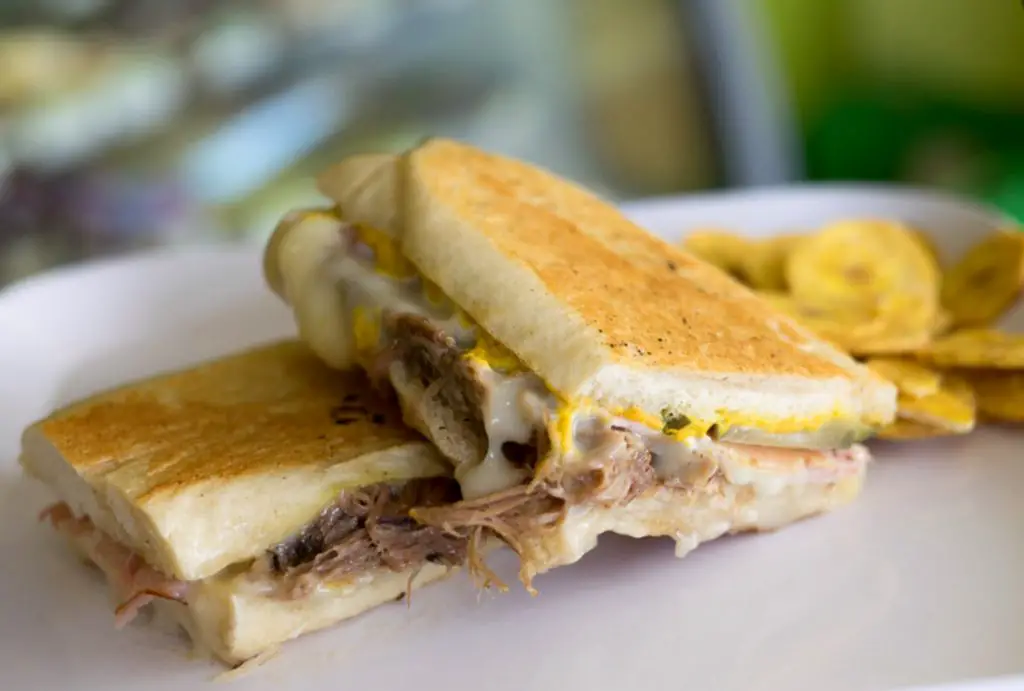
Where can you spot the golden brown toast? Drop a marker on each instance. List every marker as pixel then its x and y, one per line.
pixel 601 309
pixel 201 468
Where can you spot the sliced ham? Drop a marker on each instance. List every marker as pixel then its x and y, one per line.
pixel 134 582
pixel 746 464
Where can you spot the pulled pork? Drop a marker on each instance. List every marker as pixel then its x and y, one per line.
pixel 448 404
pixel 618 471
pixel 615 468
pixel 366 529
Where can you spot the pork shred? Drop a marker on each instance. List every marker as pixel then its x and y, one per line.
pixel 618 471
pixel 363 530
pixel 615 468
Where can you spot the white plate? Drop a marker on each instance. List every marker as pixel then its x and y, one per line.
pixel 918 583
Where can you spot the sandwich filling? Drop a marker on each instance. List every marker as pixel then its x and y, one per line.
pixel 524 456
pixel 363 532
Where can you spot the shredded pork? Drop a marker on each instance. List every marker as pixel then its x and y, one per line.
pixel 363 530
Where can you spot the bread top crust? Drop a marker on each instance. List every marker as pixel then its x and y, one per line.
pixel 583 296
pixel 200 468
pixel 676 312
pixel 264 410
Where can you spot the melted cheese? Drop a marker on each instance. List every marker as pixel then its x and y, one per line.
pixel 511 414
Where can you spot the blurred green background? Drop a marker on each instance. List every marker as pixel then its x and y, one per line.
pixel 127 124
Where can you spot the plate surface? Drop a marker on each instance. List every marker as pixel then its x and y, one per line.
pixel 918 583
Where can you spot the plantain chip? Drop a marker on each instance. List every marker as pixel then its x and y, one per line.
pixel 951 408
pixel 860 264
pixel 786 303
pixel 976 349
pixel 763 264
pixel 904 430
pixel 903 324
pixel 874 289
pixel 941 322
pixel 859 332
pixel 780 301
pixel 983 285
pixel 927 244
pixel 999 394
pixel 720 248
pixel 896 342
pixel 911 378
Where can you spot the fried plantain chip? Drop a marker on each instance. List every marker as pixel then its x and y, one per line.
pixel 720 248
pixel 763 264
pixel 951 408
pixel 927 244
pixel 976 349
pixel 999 394
pixel 897 342
pixel 857 331
pixel 860 264
pixel 941 322
pixel 983 285
pixel 903 324
pixel 906 430
pixel 911 378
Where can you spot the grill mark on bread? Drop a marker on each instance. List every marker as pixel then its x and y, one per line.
pixel 600 268
pixel 280 419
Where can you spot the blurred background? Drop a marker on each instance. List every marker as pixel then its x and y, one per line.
pixel 132 123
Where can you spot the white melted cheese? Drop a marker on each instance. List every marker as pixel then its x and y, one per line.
pixel 513 409
pixel 365 289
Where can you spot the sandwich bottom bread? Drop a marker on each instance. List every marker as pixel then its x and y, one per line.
pixel 254 498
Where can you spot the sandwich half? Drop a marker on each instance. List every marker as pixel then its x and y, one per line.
pixel 581 374
pixel 254 498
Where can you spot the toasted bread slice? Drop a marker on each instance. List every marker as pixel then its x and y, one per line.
pixel 198 469
pixel 597 307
